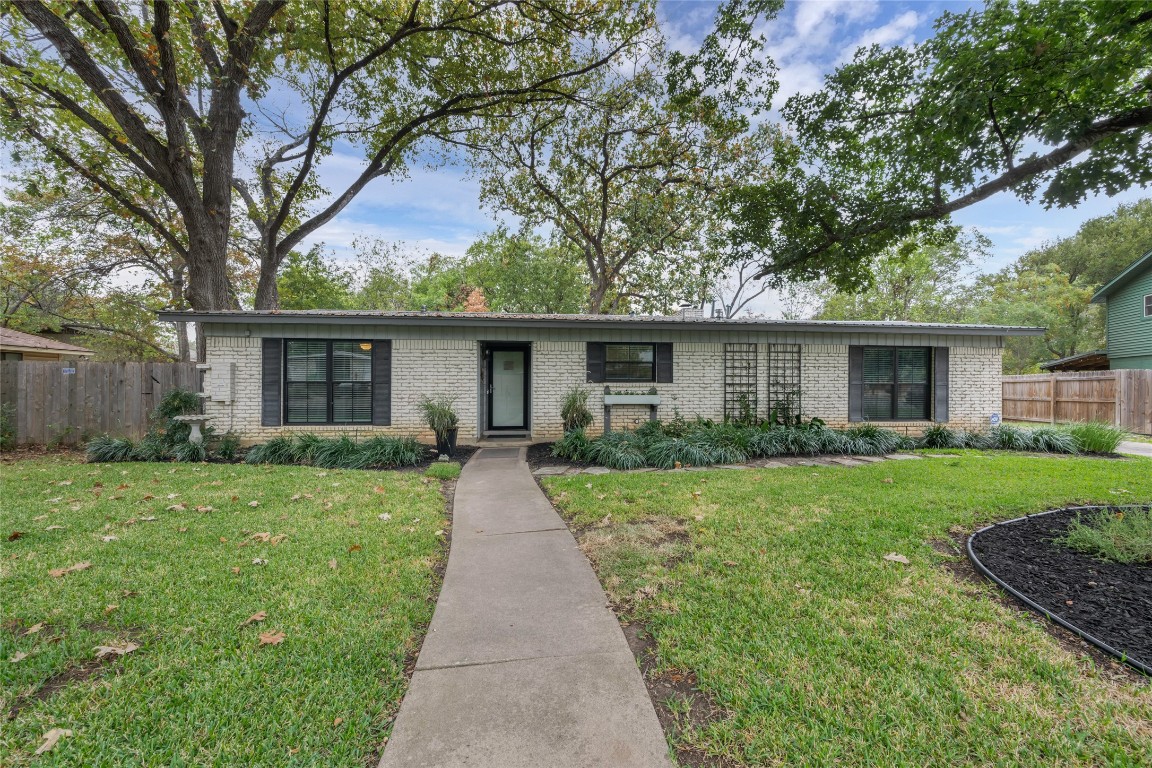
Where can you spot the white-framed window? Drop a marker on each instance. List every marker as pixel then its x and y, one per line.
pixel 1148 305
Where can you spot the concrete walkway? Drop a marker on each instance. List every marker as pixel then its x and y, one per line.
pixel 1135 448
pixel 524 664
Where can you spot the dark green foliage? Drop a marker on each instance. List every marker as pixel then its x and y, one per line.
pixel 1052 440
pixel 940 436
pixel 152 448
pixel 871 440
pixel 339 452
pixel 190 451
pixel 573 446
pixel 618 450
pixel 229 446
pixel 106 448
pixel 1122 536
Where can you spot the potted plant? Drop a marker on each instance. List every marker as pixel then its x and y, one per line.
pixel 440 414
pixel 575 411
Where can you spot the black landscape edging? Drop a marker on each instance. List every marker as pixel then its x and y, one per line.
pixel 980 567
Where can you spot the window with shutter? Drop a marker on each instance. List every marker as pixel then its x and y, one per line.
pixel 896 383
pixel 327 382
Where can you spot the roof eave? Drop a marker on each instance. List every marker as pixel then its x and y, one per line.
pixel 520 322
pixel 1121 279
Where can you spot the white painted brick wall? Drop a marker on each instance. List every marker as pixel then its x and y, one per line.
pixel 449 367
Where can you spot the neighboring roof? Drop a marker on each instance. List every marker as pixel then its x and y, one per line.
pixel 1096 360
pixel 345 317
pixel 29 342
pixel 1130 273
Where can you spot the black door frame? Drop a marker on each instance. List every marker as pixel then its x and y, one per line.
pixel 489 348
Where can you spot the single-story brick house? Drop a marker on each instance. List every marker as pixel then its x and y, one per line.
pixel 362 373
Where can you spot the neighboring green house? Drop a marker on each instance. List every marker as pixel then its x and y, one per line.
pixel 1128 299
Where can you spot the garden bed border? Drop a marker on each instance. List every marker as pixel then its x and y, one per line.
pixel 983 570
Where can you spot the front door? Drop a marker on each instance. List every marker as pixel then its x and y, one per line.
pixel 508 388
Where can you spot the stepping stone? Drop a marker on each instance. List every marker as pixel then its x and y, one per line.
pixel 869 459
pixel 900 456
pixel 551 470
pixel 597 471
pixel 773 465
pixel 846 462
pixel 942 455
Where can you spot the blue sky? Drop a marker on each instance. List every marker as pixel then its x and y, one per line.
pixel 438 208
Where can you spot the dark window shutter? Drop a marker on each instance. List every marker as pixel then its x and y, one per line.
pixel 382 383
pixel 595 361
pixel 940 384
pixel 855 383
pixel 271 378
pixel 663 363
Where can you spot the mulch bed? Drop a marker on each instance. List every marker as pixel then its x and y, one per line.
pixel 1110 601
pixel 540 455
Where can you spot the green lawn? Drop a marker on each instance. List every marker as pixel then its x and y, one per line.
pixel 770 589
pixel 198 550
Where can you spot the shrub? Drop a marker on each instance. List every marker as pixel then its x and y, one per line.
pixel 1052 440
pixel 338 452
pixel 1122 536
pixel 1009 438
pixel 190 451
pixel 574 410
pixel 940 436
pixel 106 448
pixel 573 446
pixel 229 446
pixel 1094 437
pixel 618 450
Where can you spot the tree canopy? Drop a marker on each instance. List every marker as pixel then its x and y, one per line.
pixel 1047 100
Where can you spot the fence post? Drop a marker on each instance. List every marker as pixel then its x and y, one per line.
pixel 1052 399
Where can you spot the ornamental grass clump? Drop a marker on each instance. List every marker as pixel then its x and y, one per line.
pixel 573 446
pixel 1095 437
pixel 341 452
pixel 1121 536
pixel 618 450
pixel 167 439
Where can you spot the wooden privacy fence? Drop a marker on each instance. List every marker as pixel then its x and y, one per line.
pixel 69 402
pixel 1121 398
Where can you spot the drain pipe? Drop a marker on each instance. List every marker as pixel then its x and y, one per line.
pixel 983 570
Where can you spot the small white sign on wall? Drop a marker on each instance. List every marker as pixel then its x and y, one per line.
pixel 994 420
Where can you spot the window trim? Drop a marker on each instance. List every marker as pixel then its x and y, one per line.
pixel 610 380
pixel 929 385
pixel 1148 305
pixel 329 383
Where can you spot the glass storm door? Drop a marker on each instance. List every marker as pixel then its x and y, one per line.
pixel 508 391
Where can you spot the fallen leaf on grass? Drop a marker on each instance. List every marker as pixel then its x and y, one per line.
pixel 355 548
pixel 277 538
pixel 337 721
pixel 148 497
pixel 440 532
pixel 380 489
pixel 253 503
pixel 295 497
pixel 34 628
pixel 173 496
pixel 176 507
pixel 18 656
pixel 64 482
pixel 333 564
pixel 895 558
pixel 272 638
pixel 122 486
pixel 353 523
pixel 262 536
pixel 57 573
pixel 51 738
pixel 887 480
pixel 204 509
pixel 384 516
pixel 55 527
pixel 258 616
pixel 15 535
pixel 115 650
pixel 110 608
pixel 182 530
pixel 730 563
pixel 236 571
pixel 259 561
pixel 147 519
pixel 109 538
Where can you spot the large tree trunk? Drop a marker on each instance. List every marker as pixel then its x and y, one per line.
pixel 267 292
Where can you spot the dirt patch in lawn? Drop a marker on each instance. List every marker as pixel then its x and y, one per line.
pixel 1110 601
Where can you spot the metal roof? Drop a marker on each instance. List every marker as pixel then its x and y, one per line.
pixel 1130 273
pixel 1096 360
pixel 490 319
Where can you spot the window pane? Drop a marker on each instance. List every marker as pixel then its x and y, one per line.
pixel 877 365
pixel 352 402
pixel 307 360
pixel 307 402
pixel 351 361
pixel 913 365
pixel 629 362
pixel 877 401
pixel 912 402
